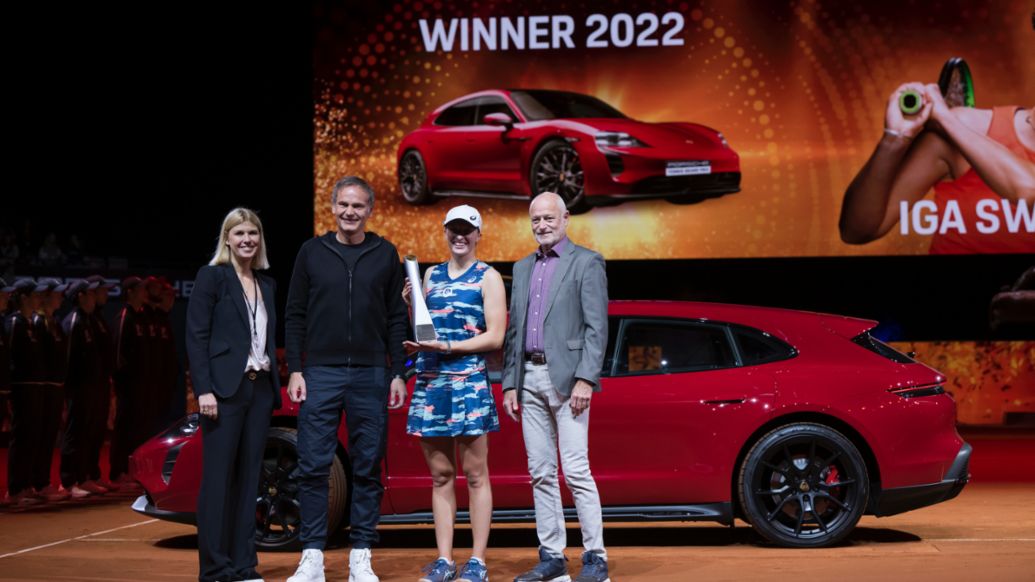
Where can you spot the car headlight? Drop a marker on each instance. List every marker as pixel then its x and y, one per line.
pixel 617 139
pixel 722 140
pixel 187 426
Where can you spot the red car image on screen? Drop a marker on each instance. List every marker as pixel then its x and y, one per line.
pixel 796 422
pixel 509 143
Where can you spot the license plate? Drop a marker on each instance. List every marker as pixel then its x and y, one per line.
pixel 688 168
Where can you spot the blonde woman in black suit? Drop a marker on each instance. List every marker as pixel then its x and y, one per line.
pixel 231 323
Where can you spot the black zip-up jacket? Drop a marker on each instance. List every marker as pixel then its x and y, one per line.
pixel 55 347
pixel 338 317
pixel 28 355
pixel 85 367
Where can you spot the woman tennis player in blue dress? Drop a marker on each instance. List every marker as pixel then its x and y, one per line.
pixel 452 410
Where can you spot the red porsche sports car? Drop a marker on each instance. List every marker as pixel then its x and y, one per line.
pixel 517 142
pixel 797 422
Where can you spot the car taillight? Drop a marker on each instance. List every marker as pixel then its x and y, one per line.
pixel 918 391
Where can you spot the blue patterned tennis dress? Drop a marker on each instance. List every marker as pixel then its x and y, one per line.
pixel 452 396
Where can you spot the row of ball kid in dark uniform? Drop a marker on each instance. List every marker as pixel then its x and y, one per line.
pixel 58 350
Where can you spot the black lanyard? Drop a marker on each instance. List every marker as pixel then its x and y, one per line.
pixel 253 310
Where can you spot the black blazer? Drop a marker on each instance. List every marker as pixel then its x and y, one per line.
pixel 218 332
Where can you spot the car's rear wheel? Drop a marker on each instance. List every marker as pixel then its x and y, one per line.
pixel 556 168
pixel 278 515
pixel 803 485
pixel 413 179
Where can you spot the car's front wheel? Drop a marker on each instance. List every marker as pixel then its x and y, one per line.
pixel 413 179
pixel 278 514
pixel 803 485
pixel 557 168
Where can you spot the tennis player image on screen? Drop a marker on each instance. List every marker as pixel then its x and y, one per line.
pixel 979 162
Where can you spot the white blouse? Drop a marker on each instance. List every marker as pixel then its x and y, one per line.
pixel 258 359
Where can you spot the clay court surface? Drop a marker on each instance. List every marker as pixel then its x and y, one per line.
pixel 987 533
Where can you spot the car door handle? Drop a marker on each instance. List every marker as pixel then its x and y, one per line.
pixel 726 401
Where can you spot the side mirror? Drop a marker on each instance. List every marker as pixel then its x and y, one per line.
pixel 498 120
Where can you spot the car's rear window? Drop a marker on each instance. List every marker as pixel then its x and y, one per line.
pixel 882 349
pixel 758 347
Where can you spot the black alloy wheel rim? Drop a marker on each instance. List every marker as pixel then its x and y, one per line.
pixel 278 513
pixel 560 171
pixel 412 177
pixel 806 489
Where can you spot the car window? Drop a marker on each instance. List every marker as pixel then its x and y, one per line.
pixel 661 347
pixel 758 347
pixel 540 105
pixel 459 114
pixel 880 348
pixel 489 105
pixel 613 325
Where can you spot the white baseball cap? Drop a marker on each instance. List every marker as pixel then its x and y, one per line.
pixel 468 214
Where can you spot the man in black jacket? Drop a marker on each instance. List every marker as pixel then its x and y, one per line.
pixel 131 381
pixel 84 383
pixel 345 324
pixel 29 377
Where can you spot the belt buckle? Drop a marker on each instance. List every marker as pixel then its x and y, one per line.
pixel 252 375
pixel 538 358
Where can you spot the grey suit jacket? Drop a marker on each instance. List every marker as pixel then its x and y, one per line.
pixel 575 330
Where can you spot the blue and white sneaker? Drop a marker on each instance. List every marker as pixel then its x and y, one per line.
pixel 549 569
pixel 474 571
pixel 594 569
pixel 439 571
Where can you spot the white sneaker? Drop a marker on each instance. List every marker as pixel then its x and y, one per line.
pixel 359 566
pixel 78 492
pixel 310 567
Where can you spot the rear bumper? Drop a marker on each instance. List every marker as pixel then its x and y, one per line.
pixel 143 505
pixel 902 499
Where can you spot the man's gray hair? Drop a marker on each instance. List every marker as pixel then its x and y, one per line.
pixel 555 197
pixel 350 181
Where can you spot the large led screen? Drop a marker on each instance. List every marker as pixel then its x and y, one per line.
pixel 686 130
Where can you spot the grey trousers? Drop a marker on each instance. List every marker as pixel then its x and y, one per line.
pixel 548 424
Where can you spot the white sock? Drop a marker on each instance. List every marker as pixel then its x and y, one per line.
pixel 479 560
pixel 450 562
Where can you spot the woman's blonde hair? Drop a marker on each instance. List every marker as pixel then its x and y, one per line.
pixel 233 218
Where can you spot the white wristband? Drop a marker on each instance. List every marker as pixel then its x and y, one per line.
pixel 894 133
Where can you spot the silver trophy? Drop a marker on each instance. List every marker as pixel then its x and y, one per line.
pixel 423 329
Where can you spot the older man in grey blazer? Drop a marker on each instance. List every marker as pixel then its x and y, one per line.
pixel 554 352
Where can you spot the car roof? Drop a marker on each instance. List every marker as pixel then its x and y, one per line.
pixel 770 319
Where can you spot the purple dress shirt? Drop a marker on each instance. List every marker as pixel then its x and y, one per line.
pixel 538 289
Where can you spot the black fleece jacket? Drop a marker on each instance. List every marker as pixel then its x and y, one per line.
pixel 337 317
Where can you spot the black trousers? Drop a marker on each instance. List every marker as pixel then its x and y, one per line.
pixel 232 450
pixel 50 429
pixel 79 446
pixel 96 429
pixel 363 393
pixel 135 407
pixel 27 405
pixel 118 453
